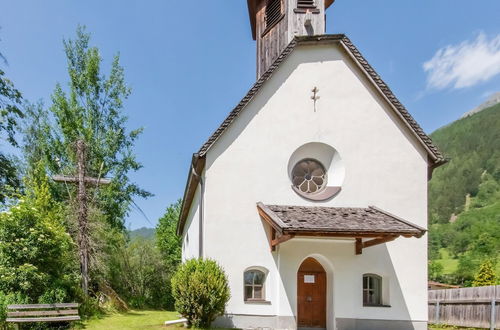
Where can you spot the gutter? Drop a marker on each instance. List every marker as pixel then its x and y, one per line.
pixel 194 179
pixel 200 211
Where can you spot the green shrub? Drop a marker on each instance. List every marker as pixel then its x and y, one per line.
pixel 486 275
pixel 201 291
pixel 8 299
pixel 36 254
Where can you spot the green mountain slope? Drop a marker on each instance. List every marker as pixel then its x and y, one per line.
pixel 464 198
pixel 473 146
pixel 145 233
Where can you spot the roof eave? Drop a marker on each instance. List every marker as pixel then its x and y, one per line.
pixel 273 219
pixel 195 169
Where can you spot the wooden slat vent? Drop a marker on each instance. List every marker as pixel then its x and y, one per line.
pixel 273 12
pixel 306 4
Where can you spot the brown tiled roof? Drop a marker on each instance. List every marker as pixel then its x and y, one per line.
pixel 436 157
pixel 339 220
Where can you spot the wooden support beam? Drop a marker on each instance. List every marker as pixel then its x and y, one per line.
pixel 360 245
pixel 377 241
pixel 281 239
pixel 271 239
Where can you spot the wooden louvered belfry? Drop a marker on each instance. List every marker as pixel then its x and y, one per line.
pixel 273 12
pixel 276 22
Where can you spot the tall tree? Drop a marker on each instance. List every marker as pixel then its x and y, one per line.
pixel 90 110
pixel 167 240
pixel 10 114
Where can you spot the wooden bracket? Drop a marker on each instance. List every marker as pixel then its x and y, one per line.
pixel 360 245
pixel 280 239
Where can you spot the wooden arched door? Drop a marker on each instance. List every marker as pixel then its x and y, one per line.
pixel 311 295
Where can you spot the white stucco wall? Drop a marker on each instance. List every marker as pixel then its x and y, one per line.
pixel 384 167
pixel 190 237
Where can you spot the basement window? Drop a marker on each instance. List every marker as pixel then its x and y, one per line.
pixel 274 14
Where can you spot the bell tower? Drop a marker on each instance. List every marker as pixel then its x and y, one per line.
pixel 276 22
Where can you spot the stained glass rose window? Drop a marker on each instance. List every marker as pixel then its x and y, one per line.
pixel 309 176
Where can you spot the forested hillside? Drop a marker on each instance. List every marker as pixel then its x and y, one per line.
pixel 144 233
pixel 464 198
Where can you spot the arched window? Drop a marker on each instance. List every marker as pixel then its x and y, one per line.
pixel 254 285
pixel 274 13
pixel 372 290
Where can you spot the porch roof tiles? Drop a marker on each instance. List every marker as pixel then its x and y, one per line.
pixel 337 220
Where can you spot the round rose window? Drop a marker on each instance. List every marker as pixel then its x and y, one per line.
pixel 309 176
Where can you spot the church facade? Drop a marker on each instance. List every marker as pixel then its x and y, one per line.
pixel 312 194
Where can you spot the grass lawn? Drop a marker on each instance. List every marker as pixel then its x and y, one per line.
pixel 449 264
pixel 131 320
pixel 445 327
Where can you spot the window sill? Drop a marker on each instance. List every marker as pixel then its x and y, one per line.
pixel 258 302
pixel 385 306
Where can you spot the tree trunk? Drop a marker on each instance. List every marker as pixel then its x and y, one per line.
pixel 83 240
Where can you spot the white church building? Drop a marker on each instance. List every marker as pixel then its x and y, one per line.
pixel 312 193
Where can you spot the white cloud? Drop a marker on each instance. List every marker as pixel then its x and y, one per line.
pixel 465 64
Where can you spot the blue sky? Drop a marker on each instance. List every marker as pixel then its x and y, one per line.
pixel 188 64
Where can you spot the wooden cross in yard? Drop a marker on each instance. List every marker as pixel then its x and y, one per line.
pixel 83 232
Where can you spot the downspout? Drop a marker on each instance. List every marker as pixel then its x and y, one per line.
pixel 200 213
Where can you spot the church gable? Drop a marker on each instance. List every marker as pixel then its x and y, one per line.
pixel 344 51
pixel 435 156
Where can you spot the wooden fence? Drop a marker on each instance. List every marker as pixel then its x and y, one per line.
pixel 466 307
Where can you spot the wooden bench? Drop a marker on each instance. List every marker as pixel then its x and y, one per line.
pixel 42 313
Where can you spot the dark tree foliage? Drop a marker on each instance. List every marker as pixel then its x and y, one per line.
pixel 91 108
pixel 10 114
pixel 138 274
pixel 168 242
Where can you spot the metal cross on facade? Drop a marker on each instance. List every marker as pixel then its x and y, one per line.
pixel 83 230
pixel 315 96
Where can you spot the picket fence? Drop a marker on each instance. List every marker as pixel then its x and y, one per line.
pixel 477 307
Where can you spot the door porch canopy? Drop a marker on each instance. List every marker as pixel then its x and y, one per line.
pixel 367 226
